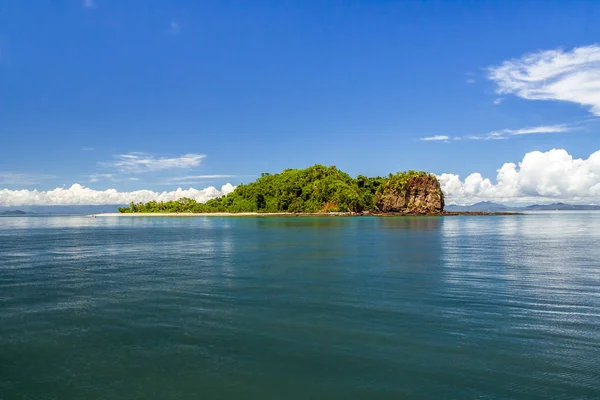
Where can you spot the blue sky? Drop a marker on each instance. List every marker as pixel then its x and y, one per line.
pixel 156 95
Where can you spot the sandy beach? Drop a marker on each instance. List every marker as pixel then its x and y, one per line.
pixel 220 214
pixel 331 214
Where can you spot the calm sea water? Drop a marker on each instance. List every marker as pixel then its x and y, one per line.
pixel 300 308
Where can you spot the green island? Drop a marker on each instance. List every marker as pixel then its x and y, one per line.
pixel 317 189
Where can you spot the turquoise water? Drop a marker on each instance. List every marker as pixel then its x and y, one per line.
pixel 298 308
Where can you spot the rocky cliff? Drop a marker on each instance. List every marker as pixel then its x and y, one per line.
pixel 412 193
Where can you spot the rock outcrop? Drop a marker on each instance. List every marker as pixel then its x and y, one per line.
pixel 416 193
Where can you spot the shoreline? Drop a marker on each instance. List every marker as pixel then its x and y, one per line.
pixel 332 214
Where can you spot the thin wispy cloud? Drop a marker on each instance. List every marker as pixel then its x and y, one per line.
pixel 87 148
pixel 109 177
pixel 437 138
pixel 174 28
pixel 489 136
pixel 17 178
pixel 179 183
pixel 192 177
pixel 88 4
pixel 144 162
pixel 507 133
pixel 99 177
pixel 471 78
pixel 571 76
pixel 538 129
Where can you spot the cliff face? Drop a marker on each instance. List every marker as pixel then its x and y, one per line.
pixel 420 194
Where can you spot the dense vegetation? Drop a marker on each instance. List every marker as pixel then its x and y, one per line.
pixel 311 190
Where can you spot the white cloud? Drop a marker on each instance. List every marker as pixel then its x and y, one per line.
pixel 143 162
pixel 538 129
pixel 506 133
pixel 97 177
pixel 551 176
pixel 109 177
pixel 88 3
pixel 470 81
pixel 435 138
pixel 88 148
pixel 572 76
pixel 81 195
pixel 16 178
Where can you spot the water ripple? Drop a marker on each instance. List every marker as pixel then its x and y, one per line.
pixel 159 308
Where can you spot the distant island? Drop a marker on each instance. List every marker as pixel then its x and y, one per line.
pixel 488 206
pixel 76 209
pixel 13 212
pixel 317 189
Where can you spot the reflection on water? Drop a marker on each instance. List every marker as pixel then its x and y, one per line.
pixel 537 278
pixel 301 307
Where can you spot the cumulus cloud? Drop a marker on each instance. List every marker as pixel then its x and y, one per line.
pixel 81 195
pixel 541 176
pixel 143 162
pixel 437 138
pixel 572 76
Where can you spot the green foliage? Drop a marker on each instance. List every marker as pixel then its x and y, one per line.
pixel 397 183
pixel 311 190
pixel 368 188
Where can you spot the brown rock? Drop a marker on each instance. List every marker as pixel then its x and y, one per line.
pixel 421 194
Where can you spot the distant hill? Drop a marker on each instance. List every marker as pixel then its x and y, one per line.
pixel 484 206
pixel 64 210
pixel 561 207
pixel 13 212
pixel 488 206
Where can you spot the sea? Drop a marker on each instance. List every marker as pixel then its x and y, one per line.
pixel 461 307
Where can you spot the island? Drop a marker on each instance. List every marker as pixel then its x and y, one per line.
pixel 317 190
pixel 12 213
pixel 488 206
